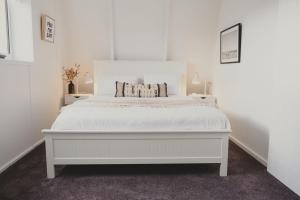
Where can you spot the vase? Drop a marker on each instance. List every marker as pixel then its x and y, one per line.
pixel 71 88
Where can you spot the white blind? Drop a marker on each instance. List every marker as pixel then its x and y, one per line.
pixel 4 45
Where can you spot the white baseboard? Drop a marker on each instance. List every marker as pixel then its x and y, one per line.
pixel 250 151
pixel 21 155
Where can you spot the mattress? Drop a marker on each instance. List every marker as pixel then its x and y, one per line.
pixel 138 114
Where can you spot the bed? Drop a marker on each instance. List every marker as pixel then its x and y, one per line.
pixel 129 130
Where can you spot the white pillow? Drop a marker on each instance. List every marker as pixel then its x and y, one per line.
pixel 107 84
pixel 173 81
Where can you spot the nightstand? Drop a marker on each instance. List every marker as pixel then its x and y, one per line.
pixel 71 98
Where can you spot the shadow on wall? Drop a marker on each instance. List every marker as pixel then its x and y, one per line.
pixel 251 134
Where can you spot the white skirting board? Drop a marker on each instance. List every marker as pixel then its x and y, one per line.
pixel 248 150
pixel 21 155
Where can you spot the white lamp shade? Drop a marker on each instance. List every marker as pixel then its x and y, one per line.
pixel 196 79
pixel 88 79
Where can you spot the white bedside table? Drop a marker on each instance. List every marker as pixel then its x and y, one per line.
pixel 71 98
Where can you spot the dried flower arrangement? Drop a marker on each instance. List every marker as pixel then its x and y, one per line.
pixel 70 73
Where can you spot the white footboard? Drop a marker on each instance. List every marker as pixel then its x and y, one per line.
pixel 96 147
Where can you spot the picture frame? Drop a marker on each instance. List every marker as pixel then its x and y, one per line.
pixel 230 44
pixel 48 28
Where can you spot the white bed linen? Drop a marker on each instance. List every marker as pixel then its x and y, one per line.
pixel 123 114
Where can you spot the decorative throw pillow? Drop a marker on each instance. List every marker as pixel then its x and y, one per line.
pixel 140 90
pixel 162 90
pixel 119 89
pixel 173 81
pixel 148 91
pixel 132 90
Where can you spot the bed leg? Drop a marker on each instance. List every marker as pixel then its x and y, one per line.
pixel 224 162
pixel 49 157
pixel 223 169
pixel 50 171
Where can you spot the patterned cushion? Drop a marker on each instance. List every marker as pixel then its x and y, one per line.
pixel 148 91
pixel 119 89
pixel 141 90
pixel 162 90
pixel 132 90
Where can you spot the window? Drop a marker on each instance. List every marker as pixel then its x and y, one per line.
pixel 4 36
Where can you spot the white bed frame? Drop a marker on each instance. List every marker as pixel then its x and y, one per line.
pixel 136 147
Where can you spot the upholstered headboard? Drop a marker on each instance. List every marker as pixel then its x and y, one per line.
pixel 139 69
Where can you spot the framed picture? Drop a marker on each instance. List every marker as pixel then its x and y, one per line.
pixel 48 28
pixel 231 42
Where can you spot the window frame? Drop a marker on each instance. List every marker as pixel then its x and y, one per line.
pixel 3 56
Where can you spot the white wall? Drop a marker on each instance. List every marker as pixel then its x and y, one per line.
pixel 192 30
pixel 244 89
pixel 46 71
pixel 140 28
pixel 88 33
pixel 191 33
pixel 284 162
pixel 16 133
pixel 31 92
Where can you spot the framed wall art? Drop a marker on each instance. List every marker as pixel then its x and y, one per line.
pixel 230 44
pixel 48 28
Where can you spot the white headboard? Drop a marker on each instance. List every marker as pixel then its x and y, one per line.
pixel 139 69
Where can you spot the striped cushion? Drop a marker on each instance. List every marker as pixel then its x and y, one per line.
pixel 148 91
pixel 119 89
pixel 162 90
pixel 132 90
pixel 141 90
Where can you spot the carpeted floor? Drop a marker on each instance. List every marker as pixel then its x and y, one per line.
pixel 247 180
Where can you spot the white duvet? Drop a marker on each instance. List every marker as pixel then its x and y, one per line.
pixel 125 114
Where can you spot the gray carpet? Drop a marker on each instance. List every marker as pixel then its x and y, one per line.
pixel 247 180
